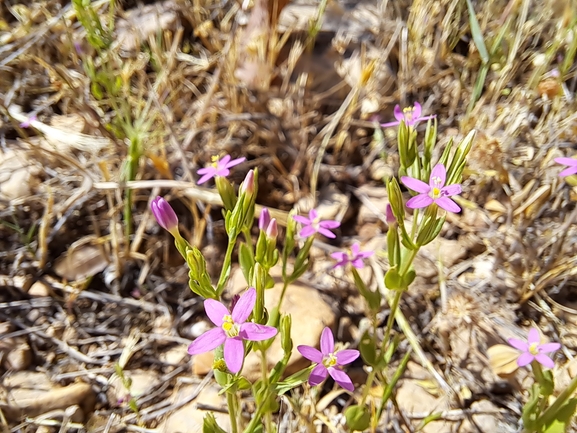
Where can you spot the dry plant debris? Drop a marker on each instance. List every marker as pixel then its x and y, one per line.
pixel 100 115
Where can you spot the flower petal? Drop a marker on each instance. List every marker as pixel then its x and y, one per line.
pixel 419 201
pixel 549 347
pixel 215 311
pixel 415 184
pixel 222 172
pixel 206 342
pixel 568 171
pixel 339 255
pixel 346 356
pixel 329 224
pixel 325 232
pixel 235 162
pixel 358 263
pixel 534 336
pixel 255 332
pixel 439 173
pixel 389 124
pixel 448 204
pixel 519 344
pixel 313 214
pixel 307 231
pixel 545 361
pixel 318 374
pixel 398 113
pixel 572 162
pixel 244 306
pixel 341 378
pixel 310 353
pixel 302 220
pixel 206 177
pixel 525 359
pixel 327 341
pixel 417 110
pixel 451 190
pixel 234 354
pixel 222 162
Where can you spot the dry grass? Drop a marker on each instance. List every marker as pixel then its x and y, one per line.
pixel 117 126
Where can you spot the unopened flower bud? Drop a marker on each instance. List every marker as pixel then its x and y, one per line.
pixel 164 214
pixel 390 217
pixel 272 229
pixel 247 186
pixel 264 219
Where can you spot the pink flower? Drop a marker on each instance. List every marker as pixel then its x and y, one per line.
pixel 232 330
pixel 354 256
pixel 410 115
pixel 328 361
pixel 532 350
pixel 219 167
pixel 434 192
pixel 164 214
pixel 571 162
pixel 313 224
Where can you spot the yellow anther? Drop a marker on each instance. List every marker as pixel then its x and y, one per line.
pixel 534 348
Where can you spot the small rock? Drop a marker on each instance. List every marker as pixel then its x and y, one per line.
pixel 39 290
pixel 32 394
pixel 19 357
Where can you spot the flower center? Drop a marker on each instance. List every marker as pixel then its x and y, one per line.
pixel 534 349
pixel 330 360
pixel 437 185
pixel 408 114
pixel 229 326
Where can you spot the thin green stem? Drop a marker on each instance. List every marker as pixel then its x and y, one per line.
pixel 368 385
pixel 391 319
pixel 226 266
pixel 231 400
pixel 550 414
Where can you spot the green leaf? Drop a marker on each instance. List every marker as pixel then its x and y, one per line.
pixel 294 380
pixel 477 33
pixel 210 425
pixel 246 261
pixel 393 280
pixel 563 418
pixel 368 349
pixel 358 417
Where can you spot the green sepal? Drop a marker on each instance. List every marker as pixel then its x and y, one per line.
pixel 393 246
pixel 198 278
pixel 409 277
pixel 226 192
pixel 358 417
pixel 455 169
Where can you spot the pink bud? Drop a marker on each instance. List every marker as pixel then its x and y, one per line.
pixel 248 184
pixel 264 219
pixel 272 229
pixel 164 214
pixel 390 217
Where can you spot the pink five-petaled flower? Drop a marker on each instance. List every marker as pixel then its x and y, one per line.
pixel 313 224
pixel 232 329
pixel 434 192
pixel 219 167
pixel 410 115
pixel 571 162
pixel 164 214
pixel 354 256
pixel 533 350
pixel 328 361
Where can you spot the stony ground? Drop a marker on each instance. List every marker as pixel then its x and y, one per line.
pixel 94 304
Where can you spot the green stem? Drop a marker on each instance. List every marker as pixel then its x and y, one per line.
pixel 226 266
pixel 391 319
pixel 368 385
pixel 284 287
pixel 231 400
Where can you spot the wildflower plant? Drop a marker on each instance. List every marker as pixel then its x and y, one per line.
pixel 248 326
pixel 542 413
